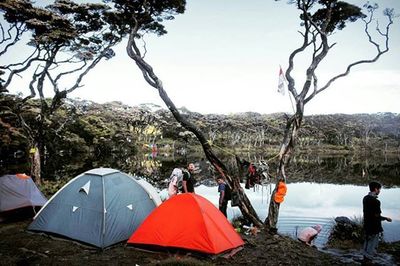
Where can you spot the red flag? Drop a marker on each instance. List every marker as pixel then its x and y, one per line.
pixel 281 82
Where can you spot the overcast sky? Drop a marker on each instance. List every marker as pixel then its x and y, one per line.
pixel 223 56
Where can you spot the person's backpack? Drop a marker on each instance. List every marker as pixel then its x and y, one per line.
pixel 179 175
pixel 187 176
pixel 228 193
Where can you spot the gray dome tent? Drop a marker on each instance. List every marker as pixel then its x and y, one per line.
pixel 100 207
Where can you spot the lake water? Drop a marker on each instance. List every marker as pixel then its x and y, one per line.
pixel 313 203
pixel 322 188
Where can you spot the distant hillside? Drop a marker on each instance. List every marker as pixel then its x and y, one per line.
pixel 82 130
pixel 250 130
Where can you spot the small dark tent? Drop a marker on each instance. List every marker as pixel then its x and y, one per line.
pixel 17 192
pixel 187 221
pixel 100 207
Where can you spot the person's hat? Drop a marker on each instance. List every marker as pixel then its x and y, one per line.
pixel 317 227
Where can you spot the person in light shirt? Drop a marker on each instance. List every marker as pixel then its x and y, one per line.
pixel 308 234
pixel 182 180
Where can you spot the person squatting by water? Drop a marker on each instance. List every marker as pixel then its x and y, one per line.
pixel 372 221
pixel 181 180
pixel 308 234
pixel 224 195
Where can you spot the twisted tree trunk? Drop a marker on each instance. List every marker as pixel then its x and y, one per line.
pixel 36 164
pixel 244 205
pixel 293 124
pixel 315 37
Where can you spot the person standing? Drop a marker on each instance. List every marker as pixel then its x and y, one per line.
pixel 224 195
pixel 372 220
pixel 188 180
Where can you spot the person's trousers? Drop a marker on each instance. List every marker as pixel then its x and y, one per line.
pixel 223 207
pixel 370 245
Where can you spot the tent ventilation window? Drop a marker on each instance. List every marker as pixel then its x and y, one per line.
pixel 85 188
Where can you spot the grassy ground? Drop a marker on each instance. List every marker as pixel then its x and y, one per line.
pixel 19 247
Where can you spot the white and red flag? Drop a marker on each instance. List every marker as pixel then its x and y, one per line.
pixel 281 82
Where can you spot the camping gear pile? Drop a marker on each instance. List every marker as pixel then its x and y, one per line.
pixel 253 173
pixel 103 207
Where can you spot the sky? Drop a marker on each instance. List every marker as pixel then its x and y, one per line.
pixel 223 56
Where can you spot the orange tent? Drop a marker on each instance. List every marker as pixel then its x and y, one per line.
pixel 187 221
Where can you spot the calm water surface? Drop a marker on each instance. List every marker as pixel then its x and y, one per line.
pixel 311 203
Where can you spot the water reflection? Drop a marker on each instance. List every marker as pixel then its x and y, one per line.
pixel 156 163
pixel 310 203
pixel 348 169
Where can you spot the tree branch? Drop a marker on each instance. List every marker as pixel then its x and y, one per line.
pixel 70 72
pixel 19 31
pixel 28 62
pixel 306 43
pixel 379 53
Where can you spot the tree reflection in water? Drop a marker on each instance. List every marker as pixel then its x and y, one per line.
pixel 156 167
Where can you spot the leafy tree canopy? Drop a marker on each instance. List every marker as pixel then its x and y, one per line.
pixel 146 15
pixel 62 24
pixel 329 14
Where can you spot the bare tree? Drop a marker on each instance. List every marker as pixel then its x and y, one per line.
pixel 320 19
pixel 144 17
pixel 68 40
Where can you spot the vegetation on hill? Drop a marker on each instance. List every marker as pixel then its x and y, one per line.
pixel 83 132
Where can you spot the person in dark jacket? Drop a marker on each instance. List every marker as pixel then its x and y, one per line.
pixel 372 220
pixel 188 180
pixel 224 195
